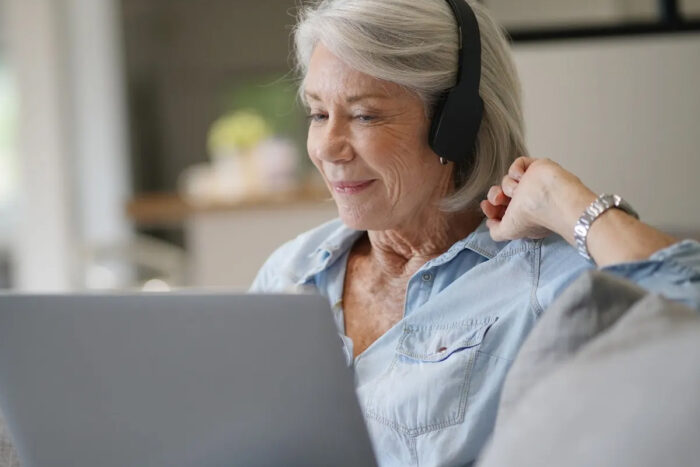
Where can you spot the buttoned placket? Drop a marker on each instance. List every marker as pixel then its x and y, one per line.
pixel 418 292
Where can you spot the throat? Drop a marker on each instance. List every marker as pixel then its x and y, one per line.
pixel 387 266
pixel 373 301
pixel 401 252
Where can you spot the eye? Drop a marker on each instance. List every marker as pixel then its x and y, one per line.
pixel 316 117
pixel 364 118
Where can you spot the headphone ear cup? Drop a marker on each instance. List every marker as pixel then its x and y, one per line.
pixel 457 117
pixel 436 118
pixel 435 123
pixel 455 125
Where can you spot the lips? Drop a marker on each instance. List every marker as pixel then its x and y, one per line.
pixel 351 186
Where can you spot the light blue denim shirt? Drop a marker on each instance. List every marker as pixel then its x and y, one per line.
pixel 429 387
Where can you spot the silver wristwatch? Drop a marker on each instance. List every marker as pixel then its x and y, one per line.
pixel 592 212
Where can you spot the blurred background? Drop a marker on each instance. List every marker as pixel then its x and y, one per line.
pixel 152 144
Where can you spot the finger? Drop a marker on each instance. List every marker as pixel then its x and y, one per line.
pixel 493 194
pixel 494 227
pixel 497 197
pixel 517 169
pixel 491 211
pixel 508 185
pixel 499 229
pixel 488 209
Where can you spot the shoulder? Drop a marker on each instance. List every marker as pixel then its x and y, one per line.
pixel 290 264
pixel 559 265
pixel 557 255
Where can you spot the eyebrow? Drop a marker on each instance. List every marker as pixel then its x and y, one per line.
pixel 349 99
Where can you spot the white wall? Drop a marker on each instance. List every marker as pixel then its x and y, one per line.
pixel 624 115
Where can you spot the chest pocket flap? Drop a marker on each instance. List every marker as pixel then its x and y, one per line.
pixel 436 343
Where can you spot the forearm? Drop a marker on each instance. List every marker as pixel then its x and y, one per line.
pixel 614 237
pixel 538 198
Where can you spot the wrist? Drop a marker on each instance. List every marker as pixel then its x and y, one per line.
pixel 570 201
pixel 605 204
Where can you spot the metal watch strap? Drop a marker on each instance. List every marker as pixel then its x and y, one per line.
pixel 601 204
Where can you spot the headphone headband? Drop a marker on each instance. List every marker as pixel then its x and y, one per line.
pixel 458 113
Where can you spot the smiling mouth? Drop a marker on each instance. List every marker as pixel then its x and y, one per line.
pixel 351 187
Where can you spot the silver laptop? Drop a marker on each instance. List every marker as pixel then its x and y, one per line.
pixel 177 380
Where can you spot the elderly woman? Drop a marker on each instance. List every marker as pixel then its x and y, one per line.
pixel 433 287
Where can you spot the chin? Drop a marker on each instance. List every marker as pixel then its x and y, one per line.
pixel 364 218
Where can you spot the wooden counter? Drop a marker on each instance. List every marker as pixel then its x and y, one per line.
pixel 170 210
pixel 227 243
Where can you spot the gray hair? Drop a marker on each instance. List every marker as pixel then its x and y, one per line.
pixel 415 44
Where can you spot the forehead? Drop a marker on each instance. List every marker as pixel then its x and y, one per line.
pixel 330 78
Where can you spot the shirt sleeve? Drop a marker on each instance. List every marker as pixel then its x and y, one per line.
pixel 281 272
pixel 262 281
pixel 268 278
pixel 673 272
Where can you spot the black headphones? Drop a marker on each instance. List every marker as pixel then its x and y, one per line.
pixel 458 112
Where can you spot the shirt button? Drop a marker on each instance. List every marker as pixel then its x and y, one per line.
pixel 427 276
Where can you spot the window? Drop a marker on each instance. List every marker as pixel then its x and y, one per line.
pixel 8 168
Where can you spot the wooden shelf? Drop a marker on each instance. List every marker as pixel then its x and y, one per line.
pixel 170 210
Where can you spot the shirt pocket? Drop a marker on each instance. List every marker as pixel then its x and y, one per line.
pixel 425 388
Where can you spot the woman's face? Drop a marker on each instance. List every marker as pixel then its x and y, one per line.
pixel 369 140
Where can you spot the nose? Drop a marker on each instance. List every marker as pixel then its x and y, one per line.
pixel 330 142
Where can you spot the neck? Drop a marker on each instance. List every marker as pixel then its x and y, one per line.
pixel 402 251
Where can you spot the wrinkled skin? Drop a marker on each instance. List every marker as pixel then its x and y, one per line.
pixel 365 129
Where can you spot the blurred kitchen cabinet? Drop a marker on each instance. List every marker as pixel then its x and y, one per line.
pixel 225 245
pixel 226 248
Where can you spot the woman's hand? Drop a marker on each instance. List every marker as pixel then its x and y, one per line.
pixel 536 197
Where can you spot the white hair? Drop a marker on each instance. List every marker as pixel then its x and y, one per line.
pixel 415 44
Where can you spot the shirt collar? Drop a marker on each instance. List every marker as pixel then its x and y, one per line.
pixel 341 240
pixel 330 250
pixel 479 241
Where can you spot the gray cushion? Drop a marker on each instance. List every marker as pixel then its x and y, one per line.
pixel 610 376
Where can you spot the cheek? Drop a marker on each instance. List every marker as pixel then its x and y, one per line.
pixel 311 150
pixel 399 178
pixel 402 165
pixel 310 145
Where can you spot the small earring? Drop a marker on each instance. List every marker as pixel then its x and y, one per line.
pixel 443 161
